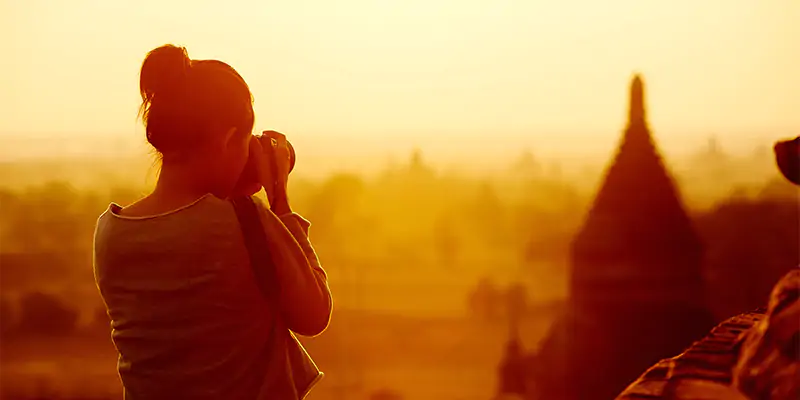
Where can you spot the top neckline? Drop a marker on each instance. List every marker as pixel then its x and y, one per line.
pixel 114 209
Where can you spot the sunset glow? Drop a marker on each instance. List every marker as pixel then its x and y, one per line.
pixel 444 75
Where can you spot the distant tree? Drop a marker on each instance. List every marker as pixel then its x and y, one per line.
pixel 51 217
pixel 447 243
pixel 51 195
pixel 417 166
pixel 556 171
pixel 548 246
pixel 525 167
pixel 750 244
pixel 485 300
pixel 778 188
pixel 45 314
pixel 517 300
pixel 489 215
pixel 335 195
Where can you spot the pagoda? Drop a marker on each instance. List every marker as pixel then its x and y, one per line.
pixel 636 282
pixel 637 243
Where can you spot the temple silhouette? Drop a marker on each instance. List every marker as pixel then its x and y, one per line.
pixel 636 283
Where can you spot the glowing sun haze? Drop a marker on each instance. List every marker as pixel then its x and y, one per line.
pixel 435 73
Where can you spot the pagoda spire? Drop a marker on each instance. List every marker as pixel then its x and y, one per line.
pixel 637 219
pixel 636 110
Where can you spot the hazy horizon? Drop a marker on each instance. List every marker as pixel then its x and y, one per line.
pixel 470 157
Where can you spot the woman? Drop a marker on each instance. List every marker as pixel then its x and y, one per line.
pixel 188 319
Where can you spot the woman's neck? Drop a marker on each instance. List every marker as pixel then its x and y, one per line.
pixel 178 185
pixel 182 181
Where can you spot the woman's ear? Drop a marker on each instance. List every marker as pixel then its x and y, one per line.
pixel 248 183
pixel 230 134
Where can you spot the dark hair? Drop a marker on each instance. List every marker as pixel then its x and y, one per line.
pixel 184 99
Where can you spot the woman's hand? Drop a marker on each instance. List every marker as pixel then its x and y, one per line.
pixel 268 166
pixel 273 161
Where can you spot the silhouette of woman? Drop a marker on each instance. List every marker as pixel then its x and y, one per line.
pixel 188 318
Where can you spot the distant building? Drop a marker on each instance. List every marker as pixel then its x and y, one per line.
pixel 636 286
pixel 513 372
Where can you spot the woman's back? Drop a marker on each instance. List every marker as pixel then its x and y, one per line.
pixel 188 317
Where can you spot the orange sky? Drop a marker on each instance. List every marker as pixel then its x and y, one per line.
pixel 496 74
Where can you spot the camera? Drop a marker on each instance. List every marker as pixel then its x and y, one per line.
pixel 249 175
pixel 272 154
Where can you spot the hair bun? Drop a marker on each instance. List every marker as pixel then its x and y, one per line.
pixel 164 71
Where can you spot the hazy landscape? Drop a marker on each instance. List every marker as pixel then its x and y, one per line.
pixel 418 260
pixel 448 152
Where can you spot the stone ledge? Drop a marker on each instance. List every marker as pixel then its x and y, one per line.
pixel 710 360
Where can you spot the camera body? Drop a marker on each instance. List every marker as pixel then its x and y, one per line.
pixel 249 176
pixel 271 153
pixel 291 156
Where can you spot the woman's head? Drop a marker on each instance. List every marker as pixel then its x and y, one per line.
pixel 197 112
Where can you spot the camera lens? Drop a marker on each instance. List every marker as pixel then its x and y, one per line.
pixel 291 155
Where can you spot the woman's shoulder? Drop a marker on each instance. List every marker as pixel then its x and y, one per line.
pixel 206 225
pixel 142 210
pixel 206 212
